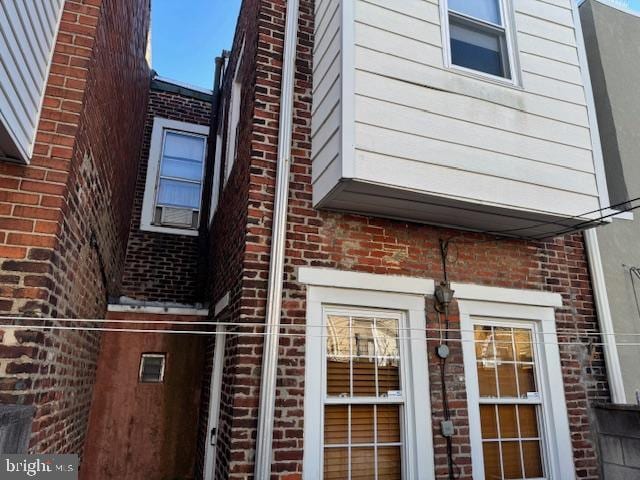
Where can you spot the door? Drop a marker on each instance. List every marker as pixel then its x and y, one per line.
pixel 214 404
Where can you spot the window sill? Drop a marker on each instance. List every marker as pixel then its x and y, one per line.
pixel 171 231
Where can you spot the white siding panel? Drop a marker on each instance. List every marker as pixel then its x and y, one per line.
pixel 420 9
pixel 327 91
pixel 551 68
pixel 417 122
pixel 541 28
pixel 27 36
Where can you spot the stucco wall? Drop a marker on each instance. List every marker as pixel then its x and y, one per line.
pixel 613 47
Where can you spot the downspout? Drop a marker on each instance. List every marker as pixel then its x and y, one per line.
pixel 276 269
pixel 612 360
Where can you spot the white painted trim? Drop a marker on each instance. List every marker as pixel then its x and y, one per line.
pixel 221 304
pixel 233 120
pixel 266 409
pixel 156 310
pixel 557 438
pixel 612 358
pixel 508 17
pixel 419 462
pixel 348 87
pixel 215 393
pixel 328 277
pixel 153 165
pixel 598 157
pixel 466 291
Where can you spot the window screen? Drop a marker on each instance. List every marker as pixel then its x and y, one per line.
pixel 152 368
pixel 364 399
pixel 478 36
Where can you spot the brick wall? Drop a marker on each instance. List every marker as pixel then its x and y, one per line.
pixel 351 242
pixel 64 218
pixel 160 266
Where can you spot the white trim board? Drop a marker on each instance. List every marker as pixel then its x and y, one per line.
pixel 157 310
pixel 467 291
pixel 221 304
pixel 327 277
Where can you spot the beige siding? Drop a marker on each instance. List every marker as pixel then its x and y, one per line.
pixel 327 88
pixel 27 35
pixel 425 128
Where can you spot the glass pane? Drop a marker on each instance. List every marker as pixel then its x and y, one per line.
pixel 338 336
pixel 338 377
pixel 173 167
pixel 511 460
pixel 508 421
pixel 363 345
pixel 362 464
pixel 488 421
pixel 184 146
pixel 362 424
pixel 389 463
pixel 485 349
pixel 477 49
pixel 388 377
pixel 336 463
pixel 491 454
pixel 524 347
pixel 388 423
pixel 532 459
pixel 526 379
pixel 507 380
pixel 179 194
pixel 364 377
pixel 386 332
pixel 488 10
pixel 336 424
pixel 487 379
pixel 504 344
pixel 528 421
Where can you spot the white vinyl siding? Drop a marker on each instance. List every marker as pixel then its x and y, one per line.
pixel 421 128
pixel 28 31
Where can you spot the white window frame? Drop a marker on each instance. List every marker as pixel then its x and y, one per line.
pixel 508 20
pixel 144 356
pixel 351 291
pixel 215 188
pixel 529 309
pixel 160 127
pixel 235 104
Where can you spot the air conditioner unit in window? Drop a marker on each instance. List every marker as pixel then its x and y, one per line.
pixel 176 217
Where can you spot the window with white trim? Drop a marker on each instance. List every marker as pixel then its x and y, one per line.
pixel 364 396
pixel 173 190
pixel 479 38
pixel 518 421
pixel 235 103
pixel 367 405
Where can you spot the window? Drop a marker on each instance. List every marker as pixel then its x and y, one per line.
pixel 478 36
pixel 367 409
pixel 152 368
pixel 518 422
pixel 173 190
pixel 234 118
pixel 510 402
pixel 364 399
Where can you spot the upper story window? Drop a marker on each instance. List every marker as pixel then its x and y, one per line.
pixel 479 37
pixel 173 193
pixel 235 103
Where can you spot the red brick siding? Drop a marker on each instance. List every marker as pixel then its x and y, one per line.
pixel 160 266
pixel 351 242
pixel 78 186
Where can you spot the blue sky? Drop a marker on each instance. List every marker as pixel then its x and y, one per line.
pixel 187 36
